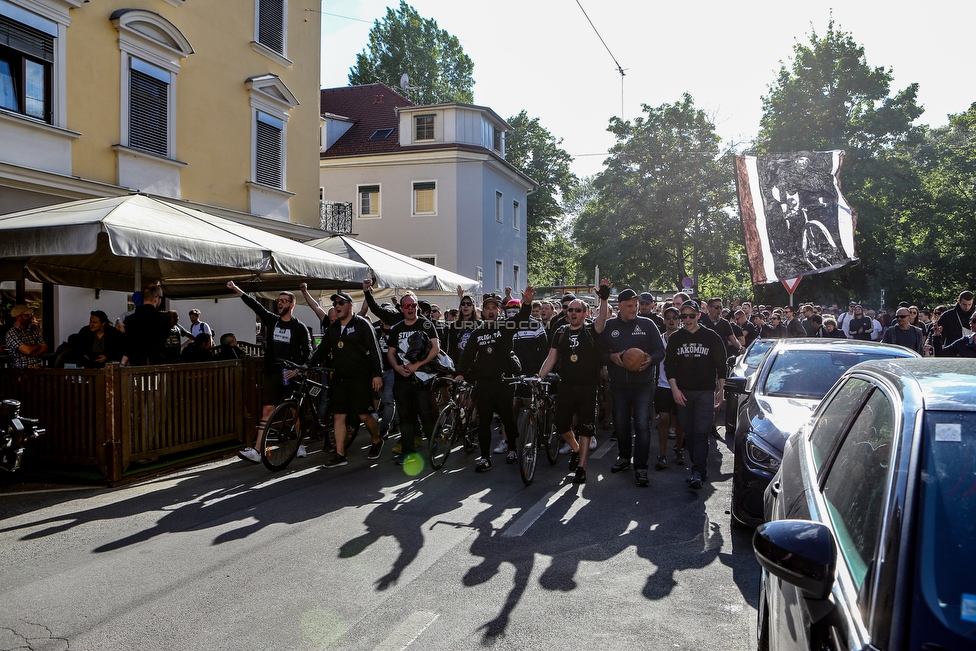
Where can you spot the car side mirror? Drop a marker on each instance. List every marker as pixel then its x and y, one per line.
pixel 735 384
pixel 800 552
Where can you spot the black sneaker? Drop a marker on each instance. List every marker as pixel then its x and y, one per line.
pixel 336 461
pixel 640 476
pixel 716 434
pixel 620 466
pixel 512 457
pixel 679 458
pixel 483 465
pixel 695 481
pixel 375 449
pixel 400 459
pixel 662 462
pixel 574 460
pixel 580 477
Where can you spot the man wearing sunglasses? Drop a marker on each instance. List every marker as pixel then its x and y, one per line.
pixel 775 328
pixel 576 347
pixel 287 339
pixel 632 392
pixel 349 344
pixel 696 366
pixel 903 333
pixel 486 357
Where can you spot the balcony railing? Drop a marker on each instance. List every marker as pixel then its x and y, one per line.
pixel 335 216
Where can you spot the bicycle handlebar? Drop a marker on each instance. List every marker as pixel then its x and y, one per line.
pixel 304 368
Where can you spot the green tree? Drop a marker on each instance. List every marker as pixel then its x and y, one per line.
pixel 830 98
pixel 535 152
pixel 662 210
pixel 405 42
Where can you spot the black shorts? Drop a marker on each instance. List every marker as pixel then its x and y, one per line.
pixel 350 395
pixel 664 401
pixel 272 390
pixel 577 400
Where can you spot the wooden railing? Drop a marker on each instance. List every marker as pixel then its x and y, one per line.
pixel 108 419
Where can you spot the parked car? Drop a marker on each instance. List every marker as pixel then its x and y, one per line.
pixel 871 538
pixel 743 366
pixel 779 397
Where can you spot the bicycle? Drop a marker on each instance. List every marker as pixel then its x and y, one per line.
pixel 287 425
pixel 454 423
pixel 536 426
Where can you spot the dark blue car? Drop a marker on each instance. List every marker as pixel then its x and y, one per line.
pixel 871 539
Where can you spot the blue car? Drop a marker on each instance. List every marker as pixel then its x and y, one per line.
pixel 871 539
pixel 778 399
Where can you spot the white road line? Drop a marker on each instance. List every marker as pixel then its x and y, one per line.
pixel 522 525
pixel 407 632
pixel 603 449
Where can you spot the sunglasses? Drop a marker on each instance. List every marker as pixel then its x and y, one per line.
pixel 408 306
pixel 689 316
pixel 901 316
pixel 340 303
pixel 774 318
pixel 467 304
pixel 574 309
pixel 670 317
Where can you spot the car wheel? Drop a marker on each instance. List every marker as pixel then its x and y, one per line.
pixel 734 519
pixel 762 623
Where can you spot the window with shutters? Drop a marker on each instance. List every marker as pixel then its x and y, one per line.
pixel 269 142
pixel 425 198
pixel 26 67
pixel 270 25
pixel 149 108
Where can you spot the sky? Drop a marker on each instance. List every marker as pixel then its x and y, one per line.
pixel 542 56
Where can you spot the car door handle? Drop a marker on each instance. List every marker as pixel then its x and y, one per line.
pixel 775 488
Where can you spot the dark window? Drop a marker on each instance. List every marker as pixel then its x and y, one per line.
pixel 148 108
pixel 271 25
pixel 267 160
pixel 425 127
pixel 381 134
pixel 833 421
pixel 496 143
pixel 26 62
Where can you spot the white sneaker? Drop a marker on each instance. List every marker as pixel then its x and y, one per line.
pixel 250 454
pixel 593 443
pixel 502 447
pixel 302 452
pixel 565 449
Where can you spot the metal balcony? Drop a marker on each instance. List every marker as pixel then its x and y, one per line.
pixel 335 216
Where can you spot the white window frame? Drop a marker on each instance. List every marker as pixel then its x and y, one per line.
pixel 499 207
pixel 516 214
pixel 413 198
pixel 155 46
pixel 516 272
pixel 499 274
pixel 379 201
pixel 270 96
pixel 280 58
pixel 263 118
pixel 433 127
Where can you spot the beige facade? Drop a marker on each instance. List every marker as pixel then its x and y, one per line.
pixel 178 98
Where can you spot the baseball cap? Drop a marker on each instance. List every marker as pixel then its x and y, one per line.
pixel 646 297
pixel 343 295
pixel 626 295
pixel 21 309
pixel 568 296
pixel 491 298
pixel 670 308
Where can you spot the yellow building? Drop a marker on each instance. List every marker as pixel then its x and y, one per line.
pixel 214 102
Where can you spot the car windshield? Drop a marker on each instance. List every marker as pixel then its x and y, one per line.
pixel 809 373
pixel 948 520
pixel 756 352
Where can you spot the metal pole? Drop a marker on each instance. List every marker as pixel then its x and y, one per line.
pixel 138 275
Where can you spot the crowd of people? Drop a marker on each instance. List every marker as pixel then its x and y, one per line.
pixel 630 363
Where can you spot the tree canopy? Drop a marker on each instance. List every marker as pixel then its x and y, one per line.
pixel 406 42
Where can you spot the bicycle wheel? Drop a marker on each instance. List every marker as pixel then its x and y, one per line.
pixel 528 450
pixel 282 436
pixel 442 438
pixel 550 436
pixel 470 431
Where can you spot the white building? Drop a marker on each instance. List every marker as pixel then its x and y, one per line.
pixel 430 182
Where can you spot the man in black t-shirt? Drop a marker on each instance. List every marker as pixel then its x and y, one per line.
pixel 576 346
pixel 287 339
pixel 411 344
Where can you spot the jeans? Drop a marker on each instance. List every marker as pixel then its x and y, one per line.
pixel 696 419
pixel 633 402
pixel 386 401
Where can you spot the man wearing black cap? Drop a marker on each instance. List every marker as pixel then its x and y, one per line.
pixel 632 391
pixel 350 345
pixel 486 357
pixel 287 339
pixel 645 308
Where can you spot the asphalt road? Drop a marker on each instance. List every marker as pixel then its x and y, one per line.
pixel 229 556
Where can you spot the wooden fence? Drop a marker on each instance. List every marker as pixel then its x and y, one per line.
pixel 109 419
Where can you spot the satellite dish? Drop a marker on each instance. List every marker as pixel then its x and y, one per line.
pixel 405 81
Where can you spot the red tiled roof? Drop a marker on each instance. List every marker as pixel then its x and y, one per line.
pixel 371 107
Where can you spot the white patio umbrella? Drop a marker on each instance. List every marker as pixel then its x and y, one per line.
pixel 115 243
pixel 394 270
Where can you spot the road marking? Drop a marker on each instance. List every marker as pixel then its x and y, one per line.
pixel 407 632
pixel 522 525
pixel 602 450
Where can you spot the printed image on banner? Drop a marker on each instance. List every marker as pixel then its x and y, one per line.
pixel 796 220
